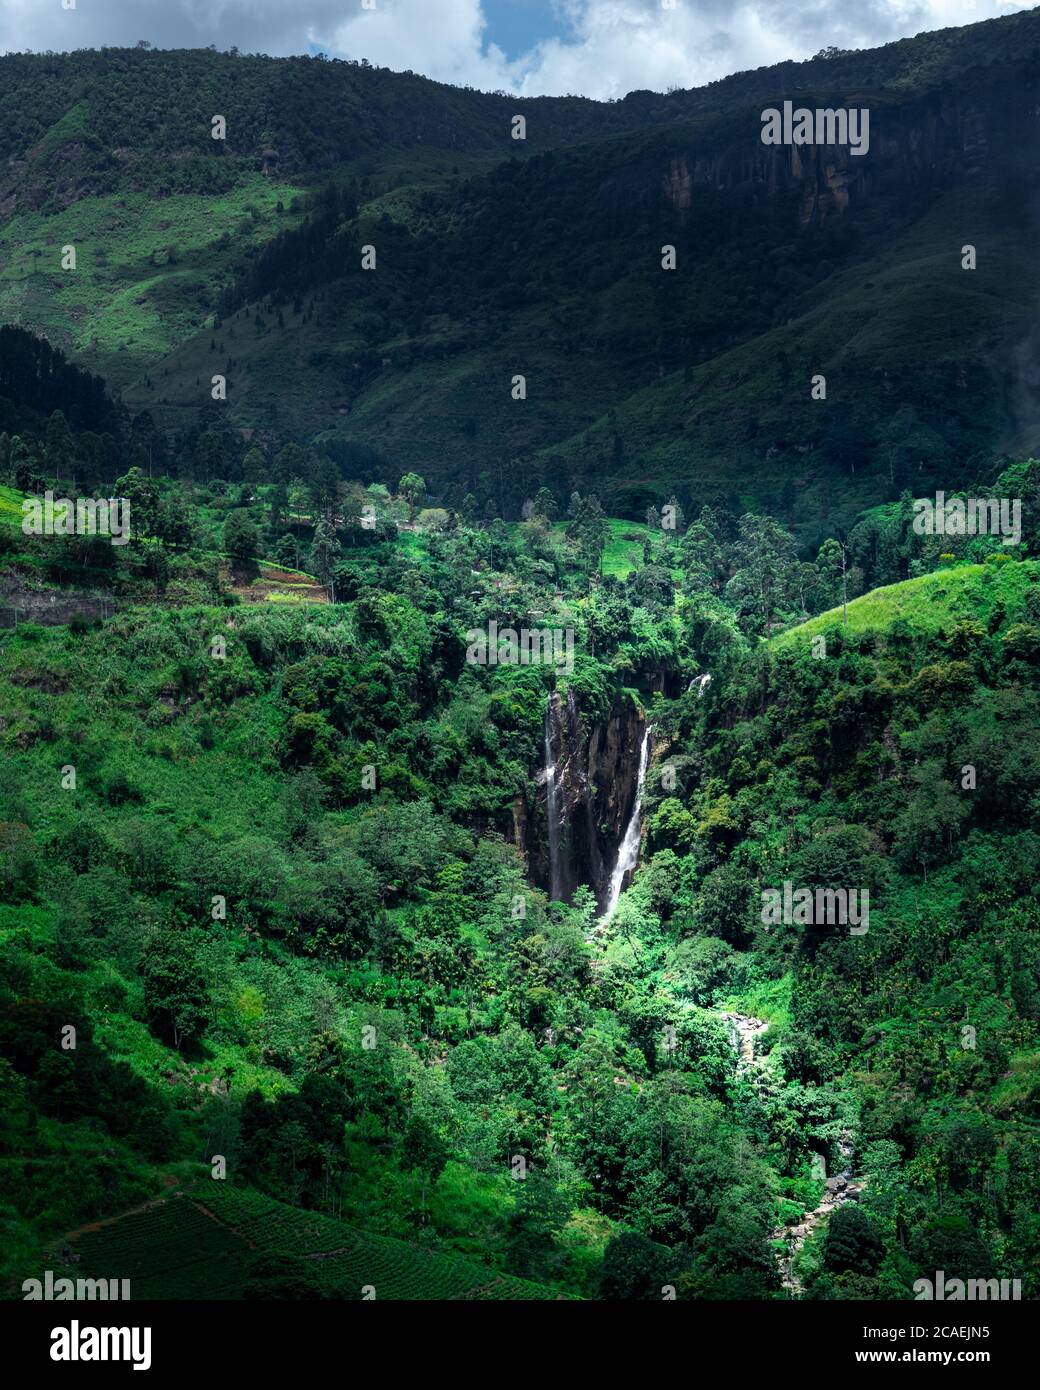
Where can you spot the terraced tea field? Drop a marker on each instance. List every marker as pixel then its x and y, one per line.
pixel 171 1250
pixel 203 1245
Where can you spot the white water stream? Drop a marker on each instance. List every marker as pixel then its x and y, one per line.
pixel 628 850
pixel 552 808
pixel 743 1031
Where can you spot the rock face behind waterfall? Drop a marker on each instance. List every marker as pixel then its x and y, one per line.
pixel 596 772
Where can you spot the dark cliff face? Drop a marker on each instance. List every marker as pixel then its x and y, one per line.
pixel 596 772
pixel 983 127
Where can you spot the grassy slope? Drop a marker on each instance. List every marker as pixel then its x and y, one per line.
pixel 622 553
pixel 11 508
pixel 933 601
pixel 125 306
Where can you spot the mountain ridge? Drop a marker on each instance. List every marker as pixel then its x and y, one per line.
pixel 541 258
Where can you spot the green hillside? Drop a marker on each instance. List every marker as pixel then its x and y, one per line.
pixel 147 270
pixel 931 603
pixel 329 985
pixel 698 378
pixel 542 258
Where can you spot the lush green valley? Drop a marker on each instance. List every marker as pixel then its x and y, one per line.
pixel 284 903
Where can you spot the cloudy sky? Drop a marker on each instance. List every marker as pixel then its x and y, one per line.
pixel 600 48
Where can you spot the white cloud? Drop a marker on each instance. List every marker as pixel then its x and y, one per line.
pixel 612 46
pixel 444 39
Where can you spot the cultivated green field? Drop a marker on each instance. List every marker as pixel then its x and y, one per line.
pixel 206 1243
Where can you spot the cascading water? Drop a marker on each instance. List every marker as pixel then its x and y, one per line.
pixel 628 850
pixel 552 809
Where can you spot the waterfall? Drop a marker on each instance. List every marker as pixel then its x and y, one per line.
pixel 743 1030
pixel 552 808
pixel 628 850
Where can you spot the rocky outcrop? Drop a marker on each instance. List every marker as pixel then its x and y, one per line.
pixel 837 1191
pixel 24 602
pixel 743 1030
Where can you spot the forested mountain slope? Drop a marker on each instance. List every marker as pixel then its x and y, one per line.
pixel 541 258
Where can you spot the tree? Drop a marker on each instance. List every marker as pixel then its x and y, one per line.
pixel 323 484
pixel 278 500
pixel 18 869
pixel 545 505
pixel 325 551
pixel 175 997
pixel 212 456
pixel 241 538
pixel 59 452
pixel 425 1152
pixel 24 464
pixel 254 466
pixel 540 1214
pixel 286 551
pixel 590 530
pixel 289 463
pixel 142 494
pixel 702 559
pixel 851 1243
pixel 764 554
pixel 498 539
pixel 350 510
pixel 634 1269
pixel 504 1069
pixel 926 826
pixel 830 566
pixel 174 524
pixel 726 904
pixel 148 440
pixel 413 489
pixel 536 533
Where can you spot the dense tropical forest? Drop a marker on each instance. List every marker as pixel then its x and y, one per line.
pixel 337 961
pixel 284 902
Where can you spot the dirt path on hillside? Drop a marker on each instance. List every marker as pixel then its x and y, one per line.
pixel 167 1180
